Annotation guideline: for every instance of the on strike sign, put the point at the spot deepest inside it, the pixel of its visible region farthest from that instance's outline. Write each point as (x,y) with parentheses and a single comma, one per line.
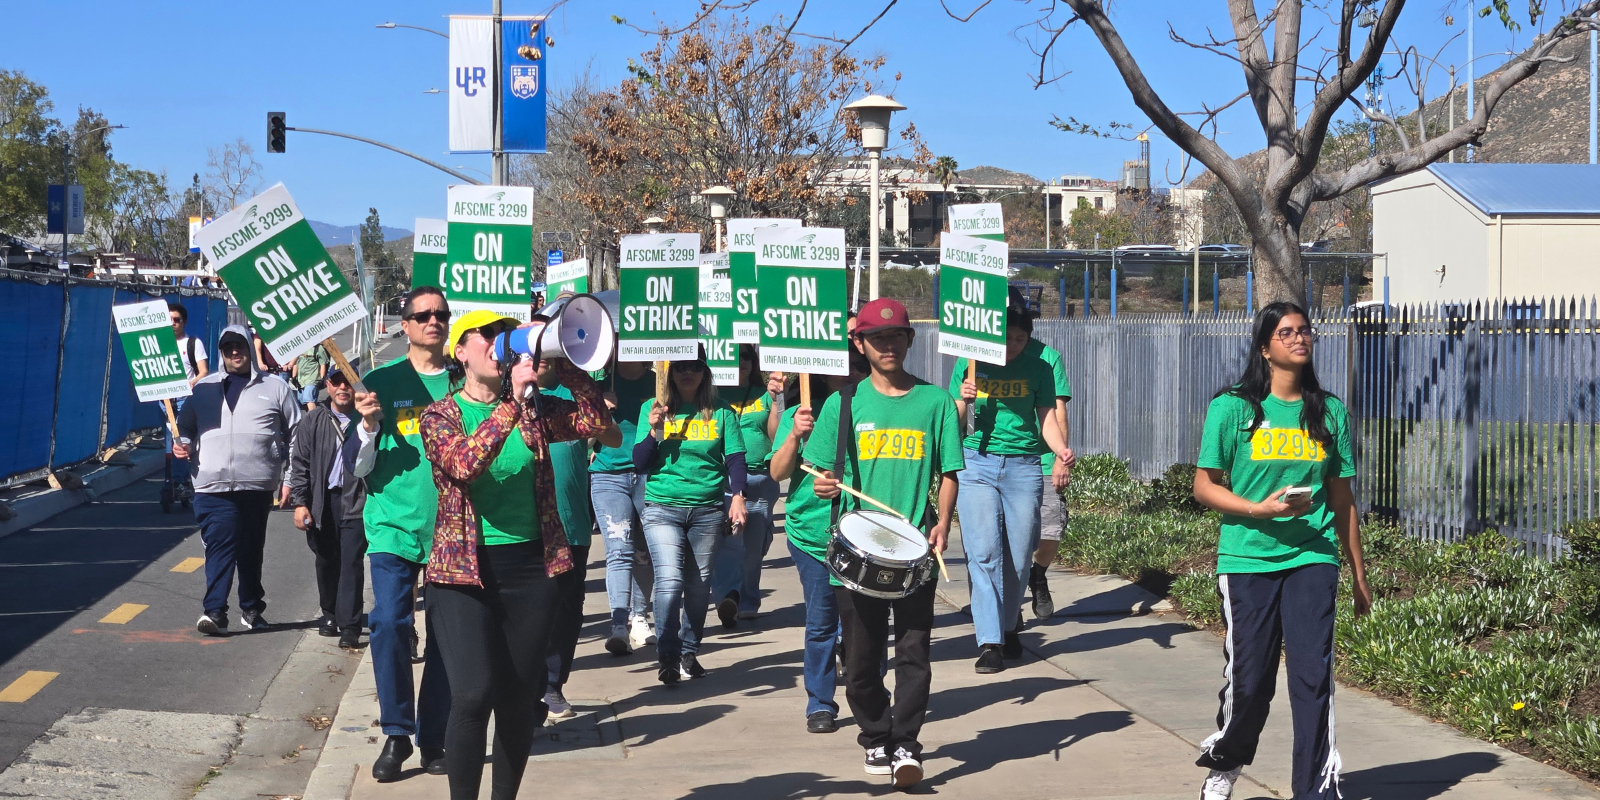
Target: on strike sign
(801,276)
(428,252)
(490,245)
(982,220)
(716,320)
(659,297)
(152,351)
(972,298)
(280,273)
(742,269)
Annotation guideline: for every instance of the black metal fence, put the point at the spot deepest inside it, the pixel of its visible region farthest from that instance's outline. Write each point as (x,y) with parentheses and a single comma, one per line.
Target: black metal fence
(1466,416)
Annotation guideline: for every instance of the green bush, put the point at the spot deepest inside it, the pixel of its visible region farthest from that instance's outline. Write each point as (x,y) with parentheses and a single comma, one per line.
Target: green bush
(1137,546)
(1581,568)
(1505,695)
(1583,540)
(1103,483)
(1174,490)
(1196,593)
(1573,740)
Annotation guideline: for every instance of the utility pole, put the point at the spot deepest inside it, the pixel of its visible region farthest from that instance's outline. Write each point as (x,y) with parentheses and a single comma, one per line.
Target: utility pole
(498,170)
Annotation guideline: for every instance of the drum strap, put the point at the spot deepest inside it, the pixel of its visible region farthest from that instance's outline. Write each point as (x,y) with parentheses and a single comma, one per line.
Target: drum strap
(847,397)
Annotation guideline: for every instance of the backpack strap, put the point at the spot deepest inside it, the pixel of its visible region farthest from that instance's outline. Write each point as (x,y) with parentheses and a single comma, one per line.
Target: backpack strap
(847,397)
(194,366)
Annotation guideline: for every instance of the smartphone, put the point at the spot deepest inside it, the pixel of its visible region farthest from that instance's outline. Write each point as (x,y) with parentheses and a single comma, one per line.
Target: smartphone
(1296,493)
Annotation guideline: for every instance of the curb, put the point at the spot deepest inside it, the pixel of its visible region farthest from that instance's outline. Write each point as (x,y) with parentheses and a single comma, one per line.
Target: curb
(36,508)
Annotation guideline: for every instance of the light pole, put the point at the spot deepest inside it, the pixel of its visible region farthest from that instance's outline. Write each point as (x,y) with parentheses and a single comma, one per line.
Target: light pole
(66,182)
(393,25)
(874,111)
(653,224)
(718,196)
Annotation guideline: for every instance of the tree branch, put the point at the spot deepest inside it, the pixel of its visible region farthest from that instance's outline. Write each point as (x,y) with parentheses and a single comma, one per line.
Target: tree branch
(969,16)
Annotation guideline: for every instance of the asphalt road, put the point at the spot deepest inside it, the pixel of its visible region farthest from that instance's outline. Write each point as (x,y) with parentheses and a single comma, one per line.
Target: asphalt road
(65,582)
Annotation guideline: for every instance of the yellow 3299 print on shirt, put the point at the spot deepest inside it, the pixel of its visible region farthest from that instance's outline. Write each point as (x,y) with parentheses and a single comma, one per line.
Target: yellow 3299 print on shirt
(898,443)
(1284,444)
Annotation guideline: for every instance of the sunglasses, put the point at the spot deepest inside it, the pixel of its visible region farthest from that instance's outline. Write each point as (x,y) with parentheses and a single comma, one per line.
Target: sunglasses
(424,317)
(689,366)
(337,380)
(229,347)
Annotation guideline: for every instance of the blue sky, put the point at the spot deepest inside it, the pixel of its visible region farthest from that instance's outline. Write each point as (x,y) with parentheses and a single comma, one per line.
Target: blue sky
(188,76)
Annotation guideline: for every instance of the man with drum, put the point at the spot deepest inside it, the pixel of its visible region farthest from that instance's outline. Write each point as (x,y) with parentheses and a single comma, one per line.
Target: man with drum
(892,436)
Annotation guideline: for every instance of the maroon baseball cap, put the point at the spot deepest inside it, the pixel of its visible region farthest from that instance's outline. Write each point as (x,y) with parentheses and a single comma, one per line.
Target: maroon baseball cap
(881,313)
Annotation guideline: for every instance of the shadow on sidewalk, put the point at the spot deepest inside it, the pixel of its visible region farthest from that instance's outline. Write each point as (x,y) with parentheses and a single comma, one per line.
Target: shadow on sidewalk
(995,746)
(1161,633)
(1416,780)
(958,702)
(790,786)
(655,727)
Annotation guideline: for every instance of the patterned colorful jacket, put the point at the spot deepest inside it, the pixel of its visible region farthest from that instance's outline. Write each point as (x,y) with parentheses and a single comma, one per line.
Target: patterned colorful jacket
(458,459)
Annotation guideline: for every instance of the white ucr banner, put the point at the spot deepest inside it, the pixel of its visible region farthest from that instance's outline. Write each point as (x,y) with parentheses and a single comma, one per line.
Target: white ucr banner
(472,75)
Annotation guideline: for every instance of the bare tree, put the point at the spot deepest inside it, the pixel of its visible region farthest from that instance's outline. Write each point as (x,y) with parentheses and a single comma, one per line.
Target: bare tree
(232,173)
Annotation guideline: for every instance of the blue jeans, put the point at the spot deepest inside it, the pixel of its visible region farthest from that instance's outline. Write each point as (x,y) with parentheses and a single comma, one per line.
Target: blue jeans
(822,632)
(999,506)
(618,500)
(739,560)
(392,621)
(306,394)
(683,544)
(233,527)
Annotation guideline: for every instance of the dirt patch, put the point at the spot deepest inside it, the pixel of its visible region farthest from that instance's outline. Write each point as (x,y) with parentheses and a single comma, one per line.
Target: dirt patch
(1587,701)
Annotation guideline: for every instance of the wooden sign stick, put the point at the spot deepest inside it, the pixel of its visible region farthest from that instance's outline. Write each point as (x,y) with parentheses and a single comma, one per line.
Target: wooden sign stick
(172,417)
(944,573)
(805,390)
(972,410)
(661,382)
(343,364)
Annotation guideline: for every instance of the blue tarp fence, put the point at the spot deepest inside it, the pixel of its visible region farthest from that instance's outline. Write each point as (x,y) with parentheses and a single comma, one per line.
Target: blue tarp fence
(69,394)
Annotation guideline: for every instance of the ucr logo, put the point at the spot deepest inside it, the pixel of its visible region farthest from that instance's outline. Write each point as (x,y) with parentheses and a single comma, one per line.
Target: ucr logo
(524,82)
(470,79)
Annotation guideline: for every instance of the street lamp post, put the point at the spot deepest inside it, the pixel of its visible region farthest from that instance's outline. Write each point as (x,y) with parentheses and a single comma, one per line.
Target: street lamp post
(66,181)
(718,196)
(874,111)
(653,224)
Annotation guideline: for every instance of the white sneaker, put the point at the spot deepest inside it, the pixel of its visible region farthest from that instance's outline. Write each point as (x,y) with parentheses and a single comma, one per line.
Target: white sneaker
(1219,784)
(907,769)
(560,709)
(641,634)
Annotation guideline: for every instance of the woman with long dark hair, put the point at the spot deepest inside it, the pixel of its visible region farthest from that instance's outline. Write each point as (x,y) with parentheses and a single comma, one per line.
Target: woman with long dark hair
(692,451)
(737,576)
(1275,461)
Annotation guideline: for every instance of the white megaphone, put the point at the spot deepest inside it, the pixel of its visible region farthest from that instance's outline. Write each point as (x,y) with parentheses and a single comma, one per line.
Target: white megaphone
(575,327)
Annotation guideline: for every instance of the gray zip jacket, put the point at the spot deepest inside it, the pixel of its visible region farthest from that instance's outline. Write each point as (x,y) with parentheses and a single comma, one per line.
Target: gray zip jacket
(245,447)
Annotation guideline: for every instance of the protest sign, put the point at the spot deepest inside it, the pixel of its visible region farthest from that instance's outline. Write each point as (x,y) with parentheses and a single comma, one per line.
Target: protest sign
(972,298)
(982,220)
(660,289)
(152,351)
(428,253)
(801,275)
(716,320)
(280,274)
(569,276)
(742,268)
(490,247)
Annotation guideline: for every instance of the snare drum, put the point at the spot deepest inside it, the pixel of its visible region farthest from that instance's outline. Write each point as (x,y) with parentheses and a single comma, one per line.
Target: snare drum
(879,555)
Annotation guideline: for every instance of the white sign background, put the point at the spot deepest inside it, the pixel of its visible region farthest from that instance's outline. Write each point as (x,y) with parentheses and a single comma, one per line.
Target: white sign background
(471,115)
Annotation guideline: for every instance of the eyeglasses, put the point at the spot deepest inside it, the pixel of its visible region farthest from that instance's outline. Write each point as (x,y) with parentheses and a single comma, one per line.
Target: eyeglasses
(689,366)
(228,347)
(423,317)
(337,380)
(1287,335)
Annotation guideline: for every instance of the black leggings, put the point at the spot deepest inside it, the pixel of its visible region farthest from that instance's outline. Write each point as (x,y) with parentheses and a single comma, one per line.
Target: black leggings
(493,641)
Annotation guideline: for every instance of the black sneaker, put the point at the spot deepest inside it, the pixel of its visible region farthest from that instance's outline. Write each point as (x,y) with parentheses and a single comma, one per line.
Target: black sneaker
(350,638)
(821,722)
(255,621)
(1039,584)
(691,666)
(990,660)
(433,760)
(213,624)
(618,644)
(878,761)
(396,749)
(907,769)
(1012,649)
(668,674)
(728,611)
(328,628)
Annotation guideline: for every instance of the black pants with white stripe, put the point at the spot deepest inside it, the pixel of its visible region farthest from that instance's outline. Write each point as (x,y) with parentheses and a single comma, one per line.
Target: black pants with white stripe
(1291,611)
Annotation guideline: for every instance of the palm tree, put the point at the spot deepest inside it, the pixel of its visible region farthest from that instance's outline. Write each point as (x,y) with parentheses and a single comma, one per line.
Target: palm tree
(944,171)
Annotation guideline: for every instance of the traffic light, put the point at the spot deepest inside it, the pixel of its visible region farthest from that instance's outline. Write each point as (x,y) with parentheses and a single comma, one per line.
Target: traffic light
(277,132)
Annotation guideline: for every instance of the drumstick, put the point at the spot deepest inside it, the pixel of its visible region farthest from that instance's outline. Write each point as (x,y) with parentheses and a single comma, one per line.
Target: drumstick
(944,573)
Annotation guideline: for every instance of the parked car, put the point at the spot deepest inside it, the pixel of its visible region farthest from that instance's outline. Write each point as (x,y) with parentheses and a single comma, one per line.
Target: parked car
(1234,249)
(1146,248)
(1318,246)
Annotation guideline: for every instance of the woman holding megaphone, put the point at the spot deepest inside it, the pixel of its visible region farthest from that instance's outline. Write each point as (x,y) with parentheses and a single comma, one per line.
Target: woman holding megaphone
(500,555)
(692,452)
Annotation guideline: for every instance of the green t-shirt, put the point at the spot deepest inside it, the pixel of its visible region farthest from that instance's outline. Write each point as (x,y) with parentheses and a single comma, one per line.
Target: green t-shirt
(1006,412)
(629,395)
(752,422)
(1063,387)
(402,503)
(308,364)
(570,462)
(805,516)
(901,444)
(1277,455)
(503,495)
(691,468)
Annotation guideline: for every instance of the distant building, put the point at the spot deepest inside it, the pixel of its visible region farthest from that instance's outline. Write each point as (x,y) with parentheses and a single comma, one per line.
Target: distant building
(1461,232)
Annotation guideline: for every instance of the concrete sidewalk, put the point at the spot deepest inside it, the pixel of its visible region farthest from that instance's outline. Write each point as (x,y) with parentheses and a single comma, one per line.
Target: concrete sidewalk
(1111,702)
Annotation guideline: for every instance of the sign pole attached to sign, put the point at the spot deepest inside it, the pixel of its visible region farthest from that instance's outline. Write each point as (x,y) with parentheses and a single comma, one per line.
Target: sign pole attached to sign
(742,269)
(801,276)
(428,251)
(972,298)
(982,220)
(490,245)
(154,361)
(716,320)
(659,297)
(570,277)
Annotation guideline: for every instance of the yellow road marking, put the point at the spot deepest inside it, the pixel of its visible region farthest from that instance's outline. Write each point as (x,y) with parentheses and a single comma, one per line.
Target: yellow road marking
(189,564)
(26,686)
(123,613)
